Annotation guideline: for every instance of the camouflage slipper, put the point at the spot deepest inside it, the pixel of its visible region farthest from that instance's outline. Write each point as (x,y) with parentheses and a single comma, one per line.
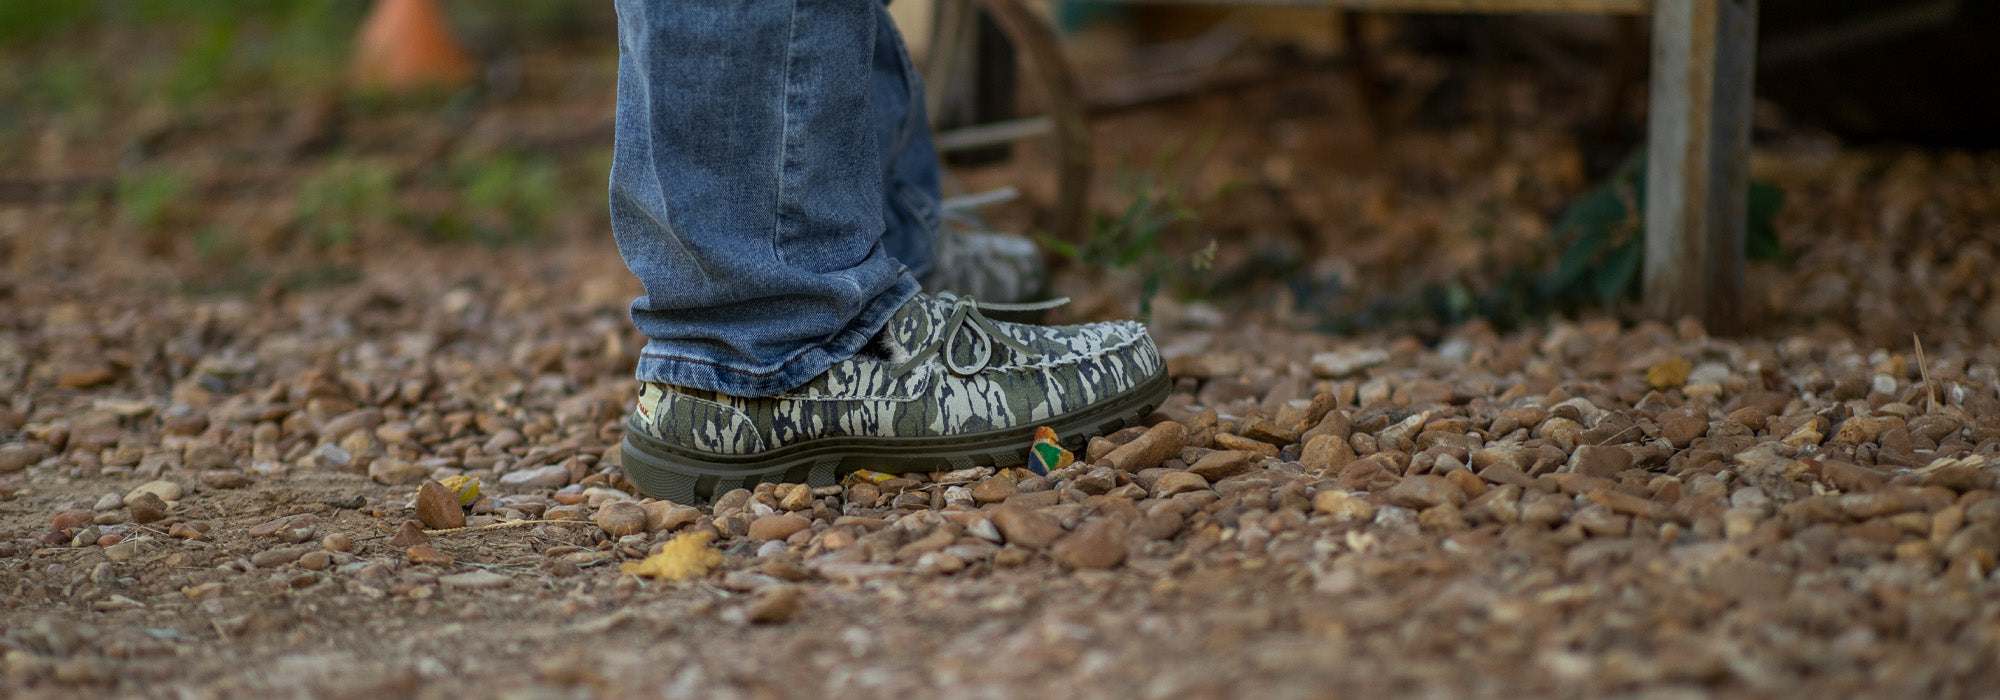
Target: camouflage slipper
(973,260)
(942,387)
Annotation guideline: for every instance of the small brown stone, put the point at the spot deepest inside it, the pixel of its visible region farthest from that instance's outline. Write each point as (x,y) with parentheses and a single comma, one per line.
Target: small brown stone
(776,605)
(1327,454)
(1683,425)
(1343,506)
(1099,544)
(1178,482)
(777,527)
(1599,460)
(17,456)
(1425,491)
(1228,441)
(424,554)
(225,479)
(621,518)
(993,489)
(437,507)
(1222,464)
(86,376)
(271,558)
(1024,527)
(668,515)
(187,531)
(1464,479)
(1445,518)
(1265,431)
(147,507)
(1097,448)
(72,519)
(409,534)
(1158,444)
(395,472)
(1852,478)
(796,498)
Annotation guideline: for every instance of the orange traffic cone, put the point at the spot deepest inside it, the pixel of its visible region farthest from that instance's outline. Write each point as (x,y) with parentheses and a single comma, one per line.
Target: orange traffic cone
(407,45)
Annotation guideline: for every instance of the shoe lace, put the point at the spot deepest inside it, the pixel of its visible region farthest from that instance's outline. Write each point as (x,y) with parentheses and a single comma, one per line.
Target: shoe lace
(967,324)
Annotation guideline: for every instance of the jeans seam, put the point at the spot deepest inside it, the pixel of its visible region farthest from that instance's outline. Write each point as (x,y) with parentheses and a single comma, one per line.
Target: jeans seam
(789,141)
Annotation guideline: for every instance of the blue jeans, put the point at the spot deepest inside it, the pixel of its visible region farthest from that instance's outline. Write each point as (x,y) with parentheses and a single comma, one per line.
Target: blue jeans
(773,185)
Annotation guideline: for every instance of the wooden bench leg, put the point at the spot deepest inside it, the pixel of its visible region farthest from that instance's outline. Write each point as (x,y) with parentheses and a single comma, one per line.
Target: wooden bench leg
(1698,162)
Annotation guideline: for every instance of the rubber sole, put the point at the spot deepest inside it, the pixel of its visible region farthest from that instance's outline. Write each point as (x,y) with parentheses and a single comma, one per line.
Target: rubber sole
(682,475)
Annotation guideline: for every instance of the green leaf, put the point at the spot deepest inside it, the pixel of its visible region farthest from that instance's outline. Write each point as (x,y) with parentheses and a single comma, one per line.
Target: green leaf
(1575,261)
(1761,237)
(1621,269)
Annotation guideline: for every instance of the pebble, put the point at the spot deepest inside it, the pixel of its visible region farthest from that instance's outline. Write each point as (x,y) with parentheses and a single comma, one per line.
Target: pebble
(1343,506)
(1222,464)
(271,558)
(146,507)
(317,560)
(389,471)
(1098,544)
(409,534)
(552,476)
(424,554)
(621,518)
(1178,482)
(1682,426)
(796,498)
(164,489)
(437,507)
(225,479)
(994,489)
(1156,445)
(1344,363)
(278,527)
(17,456)
(1327,454)
(1259,448)
(668,516)
(1599,460)
(474,580)
(123,551)
(774,605)
(109,501)
(1425,491)
(777,527)
(1024,528)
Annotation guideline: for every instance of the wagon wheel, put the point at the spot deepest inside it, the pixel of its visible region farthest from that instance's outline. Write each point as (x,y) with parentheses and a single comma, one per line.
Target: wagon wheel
(1065,122)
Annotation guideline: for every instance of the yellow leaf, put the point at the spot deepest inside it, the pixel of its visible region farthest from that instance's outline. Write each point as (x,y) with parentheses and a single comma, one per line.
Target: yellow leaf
(1669,374)
(684,556)
(466,487)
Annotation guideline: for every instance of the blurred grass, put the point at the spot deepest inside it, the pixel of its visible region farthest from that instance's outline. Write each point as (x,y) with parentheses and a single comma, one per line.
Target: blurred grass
(165,98)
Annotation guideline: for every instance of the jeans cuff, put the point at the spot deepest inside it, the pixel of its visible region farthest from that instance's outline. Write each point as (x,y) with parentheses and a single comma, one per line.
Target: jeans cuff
(660,365)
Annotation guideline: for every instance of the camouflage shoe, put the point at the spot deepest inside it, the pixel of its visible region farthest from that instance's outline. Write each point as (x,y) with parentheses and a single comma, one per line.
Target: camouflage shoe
(972,260)
(941,387)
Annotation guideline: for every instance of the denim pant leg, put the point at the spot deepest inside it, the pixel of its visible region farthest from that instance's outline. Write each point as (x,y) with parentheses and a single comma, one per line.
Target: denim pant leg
(910,195)
(747,189)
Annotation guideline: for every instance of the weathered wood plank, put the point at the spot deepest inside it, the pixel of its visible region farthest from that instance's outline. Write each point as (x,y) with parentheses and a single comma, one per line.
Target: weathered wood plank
(1698,162)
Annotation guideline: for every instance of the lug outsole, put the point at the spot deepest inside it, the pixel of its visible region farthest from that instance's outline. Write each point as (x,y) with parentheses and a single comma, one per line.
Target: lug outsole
(682,475)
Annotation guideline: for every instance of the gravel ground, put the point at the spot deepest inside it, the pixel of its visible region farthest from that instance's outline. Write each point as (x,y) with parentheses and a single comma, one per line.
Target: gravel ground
(223,494)
(216,497)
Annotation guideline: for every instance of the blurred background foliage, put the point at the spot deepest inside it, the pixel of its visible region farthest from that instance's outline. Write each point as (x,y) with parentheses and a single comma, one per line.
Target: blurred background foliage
(229,129)
(225,131)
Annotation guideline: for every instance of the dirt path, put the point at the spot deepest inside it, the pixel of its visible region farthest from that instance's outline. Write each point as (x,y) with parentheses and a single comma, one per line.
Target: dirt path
(1576,510)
